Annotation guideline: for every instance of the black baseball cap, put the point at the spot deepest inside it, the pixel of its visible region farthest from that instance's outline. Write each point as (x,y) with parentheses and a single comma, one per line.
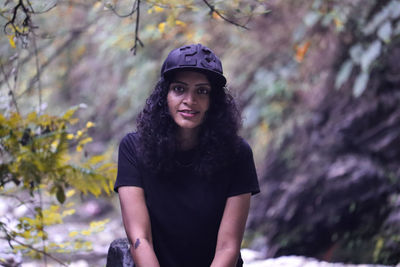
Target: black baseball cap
(196,57)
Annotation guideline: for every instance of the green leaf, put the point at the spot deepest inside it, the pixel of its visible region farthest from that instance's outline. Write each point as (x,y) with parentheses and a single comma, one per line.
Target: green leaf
(69,113)
(360,84)
(60,195)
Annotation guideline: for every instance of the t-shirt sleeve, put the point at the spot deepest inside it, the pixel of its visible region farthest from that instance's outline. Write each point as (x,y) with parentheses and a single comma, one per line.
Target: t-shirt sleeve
(244,176)
(128,171)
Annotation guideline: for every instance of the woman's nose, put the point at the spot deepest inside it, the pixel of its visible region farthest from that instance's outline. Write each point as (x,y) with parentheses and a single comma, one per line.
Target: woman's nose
(190,98)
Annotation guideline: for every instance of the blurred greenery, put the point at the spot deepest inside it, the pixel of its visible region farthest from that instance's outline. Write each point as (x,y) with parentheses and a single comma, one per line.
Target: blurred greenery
(59,54)
(102,59)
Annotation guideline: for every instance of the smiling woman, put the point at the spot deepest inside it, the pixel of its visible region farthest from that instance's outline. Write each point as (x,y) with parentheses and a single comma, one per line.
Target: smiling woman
(185,177)
(188,102)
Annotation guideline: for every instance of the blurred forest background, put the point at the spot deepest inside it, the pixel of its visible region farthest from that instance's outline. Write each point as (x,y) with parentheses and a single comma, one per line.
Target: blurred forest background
(317,81)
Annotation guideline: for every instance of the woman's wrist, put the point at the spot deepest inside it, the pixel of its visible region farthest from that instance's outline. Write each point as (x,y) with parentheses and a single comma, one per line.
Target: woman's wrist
(143,253)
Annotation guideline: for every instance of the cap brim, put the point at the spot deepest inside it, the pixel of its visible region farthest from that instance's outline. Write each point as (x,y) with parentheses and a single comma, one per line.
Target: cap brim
(215,78)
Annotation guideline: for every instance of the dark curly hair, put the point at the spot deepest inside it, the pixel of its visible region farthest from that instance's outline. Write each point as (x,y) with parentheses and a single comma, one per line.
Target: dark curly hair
(218,135)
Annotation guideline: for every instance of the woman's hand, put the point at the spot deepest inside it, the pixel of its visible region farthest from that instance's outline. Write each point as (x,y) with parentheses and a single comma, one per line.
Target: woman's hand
(231,231)
(137,226)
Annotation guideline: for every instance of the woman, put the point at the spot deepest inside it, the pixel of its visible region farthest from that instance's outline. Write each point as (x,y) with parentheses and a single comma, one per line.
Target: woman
(185,177)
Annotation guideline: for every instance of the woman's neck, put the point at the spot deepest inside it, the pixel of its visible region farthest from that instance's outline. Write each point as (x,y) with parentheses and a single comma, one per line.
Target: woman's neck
(187,138)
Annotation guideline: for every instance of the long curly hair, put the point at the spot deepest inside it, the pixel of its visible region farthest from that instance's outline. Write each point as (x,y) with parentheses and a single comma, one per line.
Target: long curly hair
(218,135)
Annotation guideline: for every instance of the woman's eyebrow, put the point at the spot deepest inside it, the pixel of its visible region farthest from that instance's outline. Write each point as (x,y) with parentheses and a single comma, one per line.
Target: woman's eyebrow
(179,82)
(203,84)
(198,84)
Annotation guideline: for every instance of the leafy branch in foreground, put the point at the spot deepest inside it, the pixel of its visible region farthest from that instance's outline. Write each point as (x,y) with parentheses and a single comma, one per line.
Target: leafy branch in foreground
(36,162)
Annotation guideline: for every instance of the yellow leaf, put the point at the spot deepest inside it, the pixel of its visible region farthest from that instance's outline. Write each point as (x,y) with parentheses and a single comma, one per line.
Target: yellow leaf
(97,5)
(161,27)
(15,119)
(180,23)
(96,159)
(189,36)
(215,15)
(85,232)
(54,145)
(54,208)
(158,9)
(68,212)
(301,51)
(79,133)
(72,121)
(19,29)
(98,224)
(2,119)
(171,20)
(70,136)
(50,218)
(11,40)
(40,234)
(31,117)
(73,233)
(70,204)
(88,245)
(78,246)
(79,148)
(85,141)
(70,193)
(338,23)
(68,114)
(26,234)
(106,166)
(90,124)
(65,158)
(150,11)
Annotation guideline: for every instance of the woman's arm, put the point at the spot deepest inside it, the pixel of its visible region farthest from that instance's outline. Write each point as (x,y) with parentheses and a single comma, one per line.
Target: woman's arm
(137,226)
(231,231)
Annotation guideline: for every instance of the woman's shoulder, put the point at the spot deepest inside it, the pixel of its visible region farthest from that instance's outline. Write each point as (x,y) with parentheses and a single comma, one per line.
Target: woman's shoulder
(243,151)
(132,136)
(130,140)
(243,145)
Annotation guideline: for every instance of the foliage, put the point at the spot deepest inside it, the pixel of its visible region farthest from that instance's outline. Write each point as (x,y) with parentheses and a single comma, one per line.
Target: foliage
(36,157)
(80,48)
(377,35)
(71,38)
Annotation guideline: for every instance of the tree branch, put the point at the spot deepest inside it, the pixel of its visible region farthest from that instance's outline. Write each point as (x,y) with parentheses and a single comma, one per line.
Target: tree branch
(137,40)
(212,9)
(134,8)
(26,22)
(44,11)
(40,251)
(10,238)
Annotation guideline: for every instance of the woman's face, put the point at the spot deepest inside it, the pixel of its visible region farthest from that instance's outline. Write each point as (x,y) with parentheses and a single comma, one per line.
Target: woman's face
(189,99)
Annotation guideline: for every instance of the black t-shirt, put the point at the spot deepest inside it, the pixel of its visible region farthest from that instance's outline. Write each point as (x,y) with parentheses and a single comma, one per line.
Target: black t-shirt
(185,209)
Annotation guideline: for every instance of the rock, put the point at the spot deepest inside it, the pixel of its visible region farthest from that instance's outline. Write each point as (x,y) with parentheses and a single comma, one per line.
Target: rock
(299,261)
(119,255)
(330,187)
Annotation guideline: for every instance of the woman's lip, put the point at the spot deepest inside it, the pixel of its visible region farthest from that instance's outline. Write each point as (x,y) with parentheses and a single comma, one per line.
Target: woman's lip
(187,115)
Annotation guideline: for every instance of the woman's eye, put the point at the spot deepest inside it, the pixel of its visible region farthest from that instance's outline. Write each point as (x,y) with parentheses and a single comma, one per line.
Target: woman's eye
(178,89)
(203,91)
